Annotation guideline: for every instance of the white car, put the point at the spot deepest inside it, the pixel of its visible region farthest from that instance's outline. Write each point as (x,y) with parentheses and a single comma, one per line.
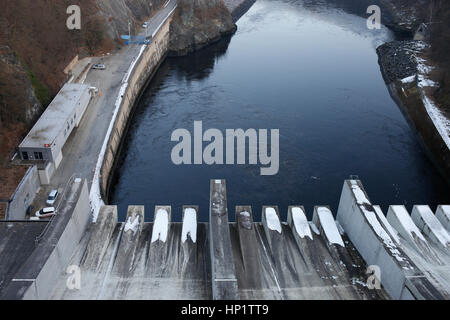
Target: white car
(52,197)
(145,25)
(99,66)
(45,212)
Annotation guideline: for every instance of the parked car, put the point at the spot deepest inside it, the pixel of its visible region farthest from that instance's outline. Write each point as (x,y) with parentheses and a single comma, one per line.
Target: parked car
(52,197)
(45,212)
(145,25)
(99,66)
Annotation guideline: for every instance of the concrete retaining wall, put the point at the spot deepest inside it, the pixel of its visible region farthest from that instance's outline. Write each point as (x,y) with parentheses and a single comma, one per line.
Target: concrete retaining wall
(144,69)
(45,281)
(409,99)
(24,195)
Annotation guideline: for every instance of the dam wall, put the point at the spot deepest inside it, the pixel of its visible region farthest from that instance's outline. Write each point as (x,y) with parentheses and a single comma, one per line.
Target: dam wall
(140,73)
(363,255)
(144,69)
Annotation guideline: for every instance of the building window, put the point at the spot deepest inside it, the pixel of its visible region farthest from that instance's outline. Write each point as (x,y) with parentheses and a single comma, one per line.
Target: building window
(25,155)
(38,156)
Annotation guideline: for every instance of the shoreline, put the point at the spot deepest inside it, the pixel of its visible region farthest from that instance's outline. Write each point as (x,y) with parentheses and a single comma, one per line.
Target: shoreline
(403,76)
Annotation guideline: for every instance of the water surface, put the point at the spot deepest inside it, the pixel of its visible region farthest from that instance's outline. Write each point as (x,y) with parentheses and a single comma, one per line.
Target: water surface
(306,68)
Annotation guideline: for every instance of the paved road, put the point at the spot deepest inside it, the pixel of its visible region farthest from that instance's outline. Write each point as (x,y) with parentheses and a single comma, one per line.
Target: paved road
(82,149)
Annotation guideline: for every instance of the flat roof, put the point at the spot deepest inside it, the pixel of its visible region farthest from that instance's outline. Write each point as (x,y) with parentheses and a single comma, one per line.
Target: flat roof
(53,120)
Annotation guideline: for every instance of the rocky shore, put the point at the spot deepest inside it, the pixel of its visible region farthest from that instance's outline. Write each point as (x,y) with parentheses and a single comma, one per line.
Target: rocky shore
(197,23)
(397,60)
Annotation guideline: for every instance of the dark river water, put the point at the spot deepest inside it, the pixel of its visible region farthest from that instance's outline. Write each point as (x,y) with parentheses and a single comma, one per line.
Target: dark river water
(306,68)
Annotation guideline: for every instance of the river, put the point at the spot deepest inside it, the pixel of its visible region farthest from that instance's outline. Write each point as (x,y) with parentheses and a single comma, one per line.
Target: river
(307,68)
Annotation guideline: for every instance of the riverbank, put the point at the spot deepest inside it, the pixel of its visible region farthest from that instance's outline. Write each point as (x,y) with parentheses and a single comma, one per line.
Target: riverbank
(406,72)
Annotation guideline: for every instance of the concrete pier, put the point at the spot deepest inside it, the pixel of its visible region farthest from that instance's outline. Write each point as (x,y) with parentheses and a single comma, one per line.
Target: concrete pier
(224,282)
(400,275)
(443,215)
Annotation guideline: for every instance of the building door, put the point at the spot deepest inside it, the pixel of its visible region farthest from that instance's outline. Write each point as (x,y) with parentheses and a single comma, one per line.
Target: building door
(38,156)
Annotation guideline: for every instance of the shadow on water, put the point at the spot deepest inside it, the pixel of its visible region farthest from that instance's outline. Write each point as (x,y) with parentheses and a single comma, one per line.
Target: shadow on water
(200,64)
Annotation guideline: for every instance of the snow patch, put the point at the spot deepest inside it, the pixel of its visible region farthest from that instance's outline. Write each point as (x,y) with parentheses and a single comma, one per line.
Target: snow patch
(132,225)
(371,216)
(189,225)
(160,226)
(301,223)
(392,232)
(329,226)
(273,223)
(359,193)
(409,79)
(441,122)
(245,214)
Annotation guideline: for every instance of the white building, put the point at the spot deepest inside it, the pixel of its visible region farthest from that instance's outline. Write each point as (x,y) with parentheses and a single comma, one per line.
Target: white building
(46,139)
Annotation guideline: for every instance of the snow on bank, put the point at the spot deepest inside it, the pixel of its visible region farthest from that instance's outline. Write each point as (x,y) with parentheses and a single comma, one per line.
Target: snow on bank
(441,122)
(439,119)
(189,225)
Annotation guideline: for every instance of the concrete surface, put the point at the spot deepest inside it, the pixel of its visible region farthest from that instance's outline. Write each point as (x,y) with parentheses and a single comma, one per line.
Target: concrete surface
(400,275)
(17,244)
(54,247)
(222,260)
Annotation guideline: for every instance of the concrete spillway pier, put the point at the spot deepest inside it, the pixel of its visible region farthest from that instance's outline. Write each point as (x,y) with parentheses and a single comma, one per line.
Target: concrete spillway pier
(361,255)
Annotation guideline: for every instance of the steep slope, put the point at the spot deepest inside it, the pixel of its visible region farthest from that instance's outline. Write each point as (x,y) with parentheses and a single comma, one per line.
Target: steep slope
(197,23)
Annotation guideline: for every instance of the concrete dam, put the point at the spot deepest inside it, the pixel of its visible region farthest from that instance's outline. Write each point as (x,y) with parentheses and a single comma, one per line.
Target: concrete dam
(360,255)
(84,252)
